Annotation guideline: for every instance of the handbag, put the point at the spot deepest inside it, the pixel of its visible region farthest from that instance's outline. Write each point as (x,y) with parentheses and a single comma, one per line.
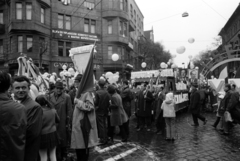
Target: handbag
(228,117)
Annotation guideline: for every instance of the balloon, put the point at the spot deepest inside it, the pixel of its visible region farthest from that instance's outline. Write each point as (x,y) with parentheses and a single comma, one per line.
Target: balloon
(68,74)
(108,74)
(166,66)
(190,57)
(61,74)
(191,65)
(174,55)
(196,68)
(71,71)
(181,50)
(168,63)
(115,57)
(173,66)
(143,65)
(64,67)
(185,14)
(191,40)
(162,65)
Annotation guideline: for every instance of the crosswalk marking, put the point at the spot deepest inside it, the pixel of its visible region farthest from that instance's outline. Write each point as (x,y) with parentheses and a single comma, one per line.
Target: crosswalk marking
(108,148)
(122,155)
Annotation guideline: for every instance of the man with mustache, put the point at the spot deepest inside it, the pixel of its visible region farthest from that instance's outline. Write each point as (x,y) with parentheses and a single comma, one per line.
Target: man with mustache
(21,87)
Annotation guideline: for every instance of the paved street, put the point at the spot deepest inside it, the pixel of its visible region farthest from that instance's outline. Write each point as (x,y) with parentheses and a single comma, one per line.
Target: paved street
(202,143)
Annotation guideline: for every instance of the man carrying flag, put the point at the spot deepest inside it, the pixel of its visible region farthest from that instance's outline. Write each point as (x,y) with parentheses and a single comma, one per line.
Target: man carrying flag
(84,127)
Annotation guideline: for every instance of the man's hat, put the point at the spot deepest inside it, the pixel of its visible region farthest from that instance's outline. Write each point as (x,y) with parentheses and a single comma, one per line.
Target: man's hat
(101,82)
(59,85)
(194,84)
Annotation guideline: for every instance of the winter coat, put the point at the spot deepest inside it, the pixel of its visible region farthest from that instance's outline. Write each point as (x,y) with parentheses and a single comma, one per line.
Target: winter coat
(145,104)
(34,128)
(234,107)
(159,100)
(77,141)
(126,100)
(63,105)
(13,125)
(118,115)
(195,102)
(168,106)
(102,102)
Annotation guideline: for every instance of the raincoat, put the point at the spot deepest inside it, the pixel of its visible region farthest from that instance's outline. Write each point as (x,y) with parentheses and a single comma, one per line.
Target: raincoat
(145,104)
(168,106)
(13,125)
(85,103)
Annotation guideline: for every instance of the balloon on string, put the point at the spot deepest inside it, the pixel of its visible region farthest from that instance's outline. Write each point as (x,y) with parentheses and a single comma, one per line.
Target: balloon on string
(71,71)
(196,68)
(181,50)
(115,57)
(61,74)
(108,74)
(143,65)
(162,65)
(191,40)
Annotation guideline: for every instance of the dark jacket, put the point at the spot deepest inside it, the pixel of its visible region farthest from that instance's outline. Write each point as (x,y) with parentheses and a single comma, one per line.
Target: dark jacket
(102,102)
(145,104)
(159,100)
(195,102)
(126,100)
(34,127)
(13,125)
(234,107)
(225,101)
(63,105)
(72,94)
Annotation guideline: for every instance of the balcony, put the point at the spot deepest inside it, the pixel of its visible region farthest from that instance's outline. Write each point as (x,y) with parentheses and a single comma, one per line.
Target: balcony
(115,13)
(131,26)
(116,38)
(45,3)
(2,29)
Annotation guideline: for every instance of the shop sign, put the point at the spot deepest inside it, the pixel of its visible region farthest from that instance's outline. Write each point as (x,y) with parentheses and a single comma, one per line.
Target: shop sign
(58,64)
(74,35)
(14,61)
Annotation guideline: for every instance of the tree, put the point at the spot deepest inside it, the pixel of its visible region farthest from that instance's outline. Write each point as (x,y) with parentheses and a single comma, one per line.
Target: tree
(153,53)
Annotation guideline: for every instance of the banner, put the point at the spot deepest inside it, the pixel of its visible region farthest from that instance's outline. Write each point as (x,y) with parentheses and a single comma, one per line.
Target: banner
(217,84)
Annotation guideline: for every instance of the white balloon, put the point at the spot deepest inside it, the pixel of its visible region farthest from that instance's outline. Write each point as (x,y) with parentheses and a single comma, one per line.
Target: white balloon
(166,66)
(108,74)
(173,66)
(174,55)
(190,57)
(64,67)
(181,50)
(71,70)
(143,65)
(191,40)
(197,68)
(61,74)
(191,65)
(115,57)
(162,65)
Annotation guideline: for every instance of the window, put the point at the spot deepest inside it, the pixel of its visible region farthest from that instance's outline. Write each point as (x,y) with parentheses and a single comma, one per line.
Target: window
(121,5)
(110,4)
(60,48)
(120,28)
(131,10)
(68,47)
(93,26)
(42,15)
(60,21)
(124,29)
(119,51)
(68,22)
(28,11)
(135,16)
(123,53)
(1,46)
(109,26)
(19,11)
(20,43)
(1,17)
(10,45)
(86,25)
(29,43)
(89,5)
(110,52)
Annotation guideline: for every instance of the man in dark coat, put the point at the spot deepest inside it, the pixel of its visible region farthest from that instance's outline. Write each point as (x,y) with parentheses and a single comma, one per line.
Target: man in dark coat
(63,104)
(127,98)
(13,124)
(102,108)
(229,102)
(195,105)
(21,87)
(160,121)
(144,112)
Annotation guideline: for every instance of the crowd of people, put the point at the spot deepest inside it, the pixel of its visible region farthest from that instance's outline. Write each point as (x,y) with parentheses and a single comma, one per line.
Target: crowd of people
(45,128)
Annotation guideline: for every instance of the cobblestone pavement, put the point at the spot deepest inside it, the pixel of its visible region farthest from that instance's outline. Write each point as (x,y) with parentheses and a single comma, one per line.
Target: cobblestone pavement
(192,143)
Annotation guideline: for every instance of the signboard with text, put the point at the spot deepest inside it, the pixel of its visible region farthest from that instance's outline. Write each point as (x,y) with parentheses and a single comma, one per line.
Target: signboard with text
(74,35)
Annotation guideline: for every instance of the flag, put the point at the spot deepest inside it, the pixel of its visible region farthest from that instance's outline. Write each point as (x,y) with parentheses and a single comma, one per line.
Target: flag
(223,74)
(87,82)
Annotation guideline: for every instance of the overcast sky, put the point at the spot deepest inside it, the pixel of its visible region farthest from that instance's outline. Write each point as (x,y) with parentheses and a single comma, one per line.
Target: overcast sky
(206,19)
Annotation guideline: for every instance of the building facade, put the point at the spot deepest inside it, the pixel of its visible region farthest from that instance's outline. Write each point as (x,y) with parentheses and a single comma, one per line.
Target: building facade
(45,30)
(230,34)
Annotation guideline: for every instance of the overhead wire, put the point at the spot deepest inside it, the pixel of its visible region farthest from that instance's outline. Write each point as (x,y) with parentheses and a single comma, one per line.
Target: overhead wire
(213,9)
